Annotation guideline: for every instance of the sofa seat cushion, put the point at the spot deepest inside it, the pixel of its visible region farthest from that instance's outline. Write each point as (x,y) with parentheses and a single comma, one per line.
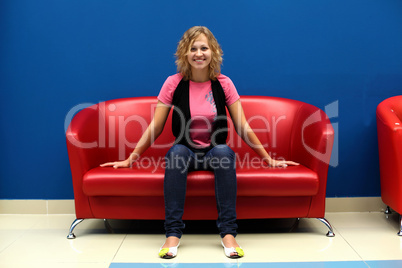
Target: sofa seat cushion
(148,181)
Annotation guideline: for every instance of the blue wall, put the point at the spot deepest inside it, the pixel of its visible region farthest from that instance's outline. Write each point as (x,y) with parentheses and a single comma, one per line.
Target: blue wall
(55,55)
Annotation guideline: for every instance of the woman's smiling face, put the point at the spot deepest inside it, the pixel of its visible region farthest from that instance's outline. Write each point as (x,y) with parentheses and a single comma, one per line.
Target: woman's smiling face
(199,55)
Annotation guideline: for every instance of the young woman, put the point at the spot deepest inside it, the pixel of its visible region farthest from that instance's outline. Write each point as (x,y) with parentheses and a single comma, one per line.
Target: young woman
(199,94)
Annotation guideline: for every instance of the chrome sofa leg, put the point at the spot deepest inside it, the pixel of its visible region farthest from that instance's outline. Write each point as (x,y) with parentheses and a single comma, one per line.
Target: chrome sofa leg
(71,235)
(388,210)
(108,226)
(295,225)
(331,231)
(400,226)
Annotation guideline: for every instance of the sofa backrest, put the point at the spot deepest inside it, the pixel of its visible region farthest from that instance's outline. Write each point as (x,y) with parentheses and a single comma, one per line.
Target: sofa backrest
(272,121)
(125,120)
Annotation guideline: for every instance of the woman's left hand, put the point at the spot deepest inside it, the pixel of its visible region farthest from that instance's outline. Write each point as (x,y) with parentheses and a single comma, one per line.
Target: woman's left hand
(282,163)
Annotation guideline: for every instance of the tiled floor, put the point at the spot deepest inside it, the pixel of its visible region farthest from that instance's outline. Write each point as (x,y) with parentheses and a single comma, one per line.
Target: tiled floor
(362,240)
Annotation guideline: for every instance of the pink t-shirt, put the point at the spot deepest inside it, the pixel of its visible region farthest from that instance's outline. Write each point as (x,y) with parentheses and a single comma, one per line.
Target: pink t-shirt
(202,105)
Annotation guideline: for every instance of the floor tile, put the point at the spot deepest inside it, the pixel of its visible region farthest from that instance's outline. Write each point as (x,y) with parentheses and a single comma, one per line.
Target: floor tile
(362,240)
(193,249)
(371,235)
(12,227)
(55,265)
(52,246)
(307,242)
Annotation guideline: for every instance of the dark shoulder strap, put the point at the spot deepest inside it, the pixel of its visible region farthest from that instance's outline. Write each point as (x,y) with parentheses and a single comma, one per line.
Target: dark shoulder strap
(221,133)
(180,90)
(181,110)
(219,97)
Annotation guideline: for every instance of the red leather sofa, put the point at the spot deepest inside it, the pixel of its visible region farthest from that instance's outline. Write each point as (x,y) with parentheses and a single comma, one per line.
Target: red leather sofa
(389,130)
(289,129)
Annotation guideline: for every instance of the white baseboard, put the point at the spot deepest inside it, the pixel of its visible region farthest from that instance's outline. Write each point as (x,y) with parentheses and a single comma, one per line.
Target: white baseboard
(355,204)
(24,206)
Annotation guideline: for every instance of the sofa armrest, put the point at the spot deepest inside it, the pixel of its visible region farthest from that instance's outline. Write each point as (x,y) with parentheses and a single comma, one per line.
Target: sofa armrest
(312,138)
(389,133)
(85,152)
(311,145)
(387,117)
(86,137)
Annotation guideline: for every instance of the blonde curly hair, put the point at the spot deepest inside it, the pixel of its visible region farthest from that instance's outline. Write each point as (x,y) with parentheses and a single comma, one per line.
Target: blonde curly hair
(183,48)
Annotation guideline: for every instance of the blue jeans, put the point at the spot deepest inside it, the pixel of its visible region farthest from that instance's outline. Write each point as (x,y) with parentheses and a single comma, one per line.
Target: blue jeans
(179,161)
